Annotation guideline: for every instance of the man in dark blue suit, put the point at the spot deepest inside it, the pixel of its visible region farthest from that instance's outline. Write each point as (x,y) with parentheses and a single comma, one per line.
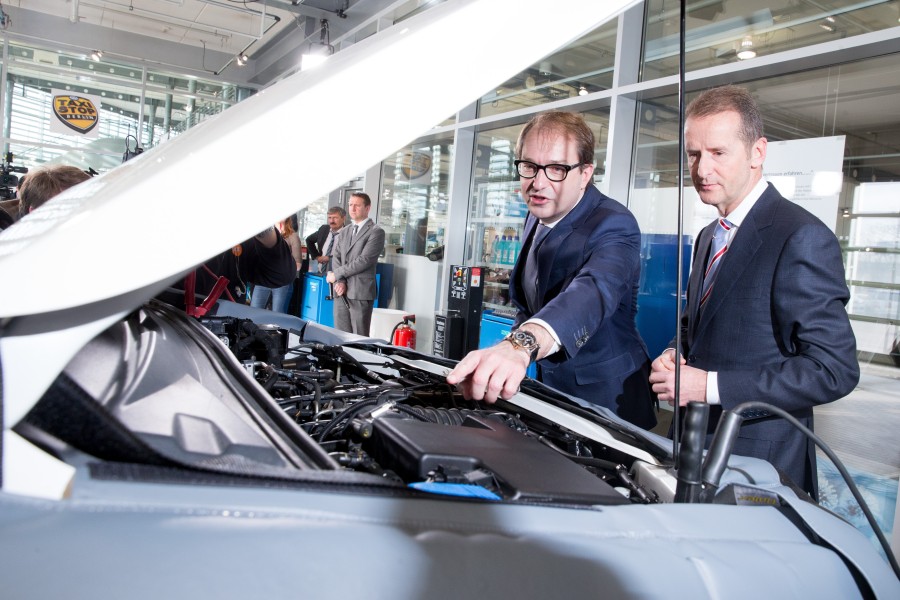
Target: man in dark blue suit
(770,324)
(574,284)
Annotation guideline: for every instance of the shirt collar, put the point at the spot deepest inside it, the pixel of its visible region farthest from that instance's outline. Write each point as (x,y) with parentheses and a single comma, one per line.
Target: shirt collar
(740,213)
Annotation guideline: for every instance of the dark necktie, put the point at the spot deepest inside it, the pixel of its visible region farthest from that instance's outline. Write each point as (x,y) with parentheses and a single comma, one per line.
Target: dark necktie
(355,231)
(717,253)
(530,272)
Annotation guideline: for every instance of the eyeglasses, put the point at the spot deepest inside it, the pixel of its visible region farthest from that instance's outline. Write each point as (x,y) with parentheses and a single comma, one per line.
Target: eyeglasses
(529,170)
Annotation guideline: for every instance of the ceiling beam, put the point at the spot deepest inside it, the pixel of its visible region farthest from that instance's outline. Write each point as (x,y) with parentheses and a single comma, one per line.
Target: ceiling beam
(56,33)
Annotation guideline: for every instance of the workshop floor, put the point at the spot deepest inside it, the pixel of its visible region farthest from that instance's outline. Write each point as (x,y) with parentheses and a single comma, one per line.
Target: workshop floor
(862,429)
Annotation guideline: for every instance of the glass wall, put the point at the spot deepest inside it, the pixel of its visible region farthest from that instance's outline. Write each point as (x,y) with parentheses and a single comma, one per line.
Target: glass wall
(414,196)
(311,217)
(151,106)
(579,69)
(720,32)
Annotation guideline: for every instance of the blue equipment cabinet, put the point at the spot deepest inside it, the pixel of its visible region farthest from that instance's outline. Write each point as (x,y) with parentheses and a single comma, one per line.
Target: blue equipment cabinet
(657,302)
(315,307)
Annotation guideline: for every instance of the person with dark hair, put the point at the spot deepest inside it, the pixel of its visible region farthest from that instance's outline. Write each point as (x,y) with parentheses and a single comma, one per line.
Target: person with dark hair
(574,285)
(286,228)
(765,317)
(354,263)
(43,183)
(320,244)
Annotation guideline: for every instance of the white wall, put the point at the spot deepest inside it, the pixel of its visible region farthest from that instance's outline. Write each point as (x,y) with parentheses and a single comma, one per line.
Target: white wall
(416,285)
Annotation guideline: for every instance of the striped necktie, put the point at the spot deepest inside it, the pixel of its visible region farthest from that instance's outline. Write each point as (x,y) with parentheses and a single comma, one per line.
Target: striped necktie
(324,266)
(719,248)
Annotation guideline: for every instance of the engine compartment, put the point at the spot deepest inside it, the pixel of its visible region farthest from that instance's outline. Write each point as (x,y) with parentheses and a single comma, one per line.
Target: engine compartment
(374,411)
(225,396)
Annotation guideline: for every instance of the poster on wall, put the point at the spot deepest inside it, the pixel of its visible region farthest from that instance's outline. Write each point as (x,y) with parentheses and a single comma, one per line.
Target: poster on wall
(808,172)
(75,114)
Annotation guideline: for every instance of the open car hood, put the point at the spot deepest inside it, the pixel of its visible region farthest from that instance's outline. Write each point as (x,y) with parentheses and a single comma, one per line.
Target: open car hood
(101,249)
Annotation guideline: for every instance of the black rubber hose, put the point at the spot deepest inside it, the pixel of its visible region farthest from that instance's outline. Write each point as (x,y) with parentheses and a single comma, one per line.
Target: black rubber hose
(690,469)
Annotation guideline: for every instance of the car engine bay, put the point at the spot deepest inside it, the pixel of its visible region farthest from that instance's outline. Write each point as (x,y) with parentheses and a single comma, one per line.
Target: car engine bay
(381,414)
(165,390)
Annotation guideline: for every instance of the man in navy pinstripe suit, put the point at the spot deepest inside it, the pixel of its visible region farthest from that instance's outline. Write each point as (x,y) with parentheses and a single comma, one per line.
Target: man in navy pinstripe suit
(773,327)
(574,285)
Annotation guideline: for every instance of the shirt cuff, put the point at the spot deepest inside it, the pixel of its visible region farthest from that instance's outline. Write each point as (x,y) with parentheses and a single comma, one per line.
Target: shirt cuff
(556,345)
(712,388)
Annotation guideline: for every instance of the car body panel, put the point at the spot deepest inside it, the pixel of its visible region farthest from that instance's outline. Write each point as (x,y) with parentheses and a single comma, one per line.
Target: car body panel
(231,543)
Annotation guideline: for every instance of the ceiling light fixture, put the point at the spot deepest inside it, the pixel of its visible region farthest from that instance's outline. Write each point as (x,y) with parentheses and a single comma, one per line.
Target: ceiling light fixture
(582,91)
(827,27)
(241,59)
(746,52)
(96,55)
(317,53)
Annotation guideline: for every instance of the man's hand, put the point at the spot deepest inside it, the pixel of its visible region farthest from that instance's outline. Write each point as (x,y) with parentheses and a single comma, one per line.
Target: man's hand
(498,371)
(662,380)
(322,259)
(330,278)
(491,373)
(340,288)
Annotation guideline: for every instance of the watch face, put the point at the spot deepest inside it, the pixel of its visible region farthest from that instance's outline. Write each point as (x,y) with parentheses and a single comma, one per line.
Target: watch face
(526,341)
(524,338)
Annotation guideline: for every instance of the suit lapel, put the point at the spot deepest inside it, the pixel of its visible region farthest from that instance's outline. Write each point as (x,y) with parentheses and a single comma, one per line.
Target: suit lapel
(746,243)
(557,237)
(361,234)
(695,282)
(550,246)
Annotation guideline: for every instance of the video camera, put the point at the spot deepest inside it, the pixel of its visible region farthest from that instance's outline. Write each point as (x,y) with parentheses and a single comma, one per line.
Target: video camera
(8,181)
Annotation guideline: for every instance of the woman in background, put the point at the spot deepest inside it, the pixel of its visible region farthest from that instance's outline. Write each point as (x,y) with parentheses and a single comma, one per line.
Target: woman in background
(290,236)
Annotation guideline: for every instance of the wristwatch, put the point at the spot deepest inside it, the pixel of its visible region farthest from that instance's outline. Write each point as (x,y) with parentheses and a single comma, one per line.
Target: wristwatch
(524,340)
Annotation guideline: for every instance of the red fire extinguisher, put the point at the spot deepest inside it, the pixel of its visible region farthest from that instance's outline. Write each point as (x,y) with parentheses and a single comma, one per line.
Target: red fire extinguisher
(403,334)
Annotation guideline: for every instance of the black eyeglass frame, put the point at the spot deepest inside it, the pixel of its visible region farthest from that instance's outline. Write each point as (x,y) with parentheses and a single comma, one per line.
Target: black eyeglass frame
(544,168)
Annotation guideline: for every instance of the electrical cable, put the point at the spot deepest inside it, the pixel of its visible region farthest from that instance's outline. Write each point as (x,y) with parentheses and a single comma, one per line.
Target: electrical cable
(834,459)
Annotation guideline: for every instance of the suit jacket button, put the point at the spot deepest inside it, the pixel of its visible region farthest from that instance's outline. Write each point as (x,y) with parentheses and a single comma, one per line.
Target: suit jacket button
(692,358)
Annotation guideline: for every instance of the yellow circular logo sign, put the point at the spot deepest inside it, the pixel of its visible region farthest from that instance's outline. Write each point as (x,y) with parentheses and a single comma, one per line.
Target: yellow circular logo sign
(76,112)
(415,164)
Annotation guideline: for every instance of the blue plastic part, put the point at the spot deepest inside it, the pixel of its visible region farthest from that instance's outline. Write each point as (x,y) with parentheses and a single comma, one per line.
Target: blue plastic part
(464,490)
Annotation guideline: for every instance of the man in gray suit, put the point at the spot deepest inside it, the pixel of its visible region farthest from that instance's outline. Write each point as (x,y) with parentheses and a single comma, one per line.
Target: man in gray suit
(765,318)
(353,267)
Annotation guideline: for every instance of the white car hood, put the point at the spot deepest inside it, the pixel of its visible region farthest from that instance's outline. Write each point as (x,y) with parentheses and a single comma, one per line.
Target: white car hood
(97,251)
